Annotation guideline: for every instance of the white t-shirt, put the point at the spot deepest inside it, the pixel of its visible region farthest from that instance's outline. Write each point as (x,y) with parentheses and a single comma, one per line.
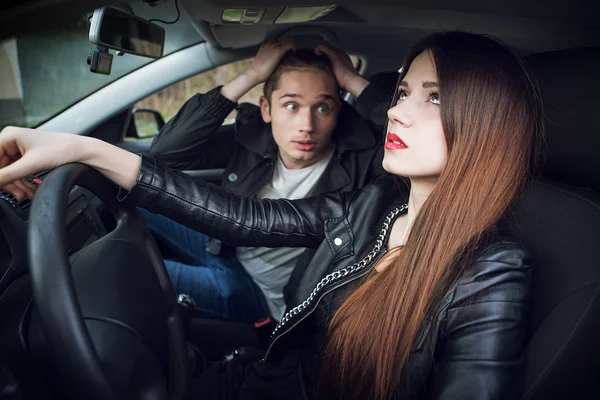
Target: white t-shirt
(270,268)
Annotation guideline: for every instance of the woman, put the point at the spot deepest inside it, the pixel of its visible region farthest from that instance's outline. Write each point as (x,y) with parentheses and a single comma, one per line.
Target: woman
(412,293)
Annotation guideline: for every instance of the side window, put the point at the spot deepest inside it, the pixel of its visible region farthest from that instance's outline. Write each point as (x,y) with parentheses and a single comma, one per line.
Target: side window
(170,99)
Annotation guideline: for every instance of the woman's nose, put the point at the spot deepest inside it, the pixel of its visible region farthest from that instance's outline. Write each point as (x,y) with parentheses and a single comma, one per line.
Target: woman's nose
(398,115)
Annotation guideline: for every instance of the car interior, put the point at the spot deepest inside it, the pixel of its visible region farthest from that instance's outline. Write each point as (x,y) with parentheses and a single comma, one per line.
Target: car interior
(87,310)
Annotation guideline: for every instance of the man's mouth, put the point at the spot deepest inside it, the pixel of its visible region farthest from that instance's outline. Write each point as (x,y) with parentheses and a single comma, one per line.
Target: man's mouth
(393,142)
(305,145)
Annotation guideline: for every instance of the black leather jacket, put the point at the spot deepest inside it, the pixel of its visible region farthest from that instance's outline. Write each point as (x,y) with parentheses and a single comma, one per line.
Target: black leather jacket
(469,348)
(197,139)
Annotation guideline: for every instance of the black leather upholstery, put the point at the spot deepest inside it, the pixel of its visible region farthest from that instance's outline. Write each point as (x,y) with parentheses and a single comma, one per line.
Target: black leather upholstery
(559,222)
(571,85)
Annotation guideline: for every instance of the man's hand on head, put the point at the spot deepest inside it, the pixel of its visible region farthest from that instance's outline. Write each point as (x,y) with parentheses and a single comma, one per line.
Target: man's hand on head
(268,57)
(343,69)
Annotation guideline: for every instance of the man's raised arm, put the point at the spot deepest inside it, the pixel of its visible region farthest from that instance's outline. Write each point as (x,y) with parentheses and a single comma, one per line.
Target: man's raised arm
(196,138)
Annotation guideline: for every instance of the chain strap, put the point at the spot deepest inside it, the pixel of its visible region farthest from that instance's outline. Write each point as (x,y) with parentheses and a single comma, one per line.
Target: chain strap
(340,274)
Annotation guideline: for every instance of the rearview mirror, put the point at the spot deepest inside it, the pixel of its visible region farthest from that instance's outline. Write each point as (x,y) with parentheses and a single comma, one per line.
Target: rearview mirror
(120,30)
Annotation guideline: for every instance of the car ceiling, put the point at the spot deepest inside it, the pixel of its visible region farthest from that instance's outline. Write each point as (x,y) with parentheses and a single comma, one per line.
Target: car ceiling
(375,28)
(531,26)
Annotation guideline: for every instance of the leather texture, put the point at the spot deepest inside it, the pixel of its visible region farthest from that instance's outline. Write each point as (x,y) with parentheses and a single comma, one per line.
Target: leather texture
(469,348)
(196,139)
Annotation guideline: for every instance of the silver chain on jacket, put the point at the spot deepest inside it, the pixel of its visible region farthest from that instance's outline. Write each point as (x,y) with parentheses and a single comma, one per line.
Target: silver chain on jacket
(342,273)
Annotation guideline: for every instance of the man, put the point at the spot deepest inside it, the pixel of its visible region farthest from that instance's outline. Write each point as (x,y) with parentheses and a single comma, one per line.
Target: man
(302,140)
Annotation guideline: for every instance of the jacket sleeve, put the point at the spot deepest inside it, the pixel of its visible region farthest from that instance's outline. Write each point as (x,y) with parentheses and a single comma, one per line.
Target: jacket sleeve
(196,138)
(481,353)
(230,217)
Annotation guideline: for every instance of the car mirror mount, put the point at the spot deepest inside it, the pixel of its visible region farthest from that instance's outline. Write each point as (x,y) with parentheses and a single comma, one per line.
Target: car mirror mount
(124,32)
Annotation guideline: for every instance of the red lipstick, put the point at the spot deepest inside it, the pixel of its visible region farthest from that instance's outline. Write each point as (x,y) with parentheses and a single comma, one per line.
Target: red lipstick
(393,142)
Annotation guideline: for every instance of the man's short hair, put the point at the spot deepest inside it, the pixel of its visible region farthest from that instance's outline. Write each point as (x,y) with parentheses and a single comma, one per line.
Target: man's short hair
(301,59)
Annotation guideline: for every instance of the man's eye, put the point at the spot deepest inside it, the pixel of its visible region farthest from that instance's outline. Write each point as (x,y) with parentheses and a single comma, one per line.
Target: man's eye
(291,107)
(434,98)
(323,109)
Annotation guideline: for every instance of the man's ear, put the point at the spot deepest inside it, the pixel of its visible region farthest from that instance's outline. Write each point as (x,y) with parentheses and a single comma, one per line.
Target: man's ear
(265,109)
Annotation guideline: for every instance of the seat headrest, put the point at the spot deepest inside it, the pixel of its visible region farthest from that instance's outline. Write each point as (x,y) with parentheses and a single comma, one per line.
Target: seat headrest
(383,86)
(560,226)
(570,83)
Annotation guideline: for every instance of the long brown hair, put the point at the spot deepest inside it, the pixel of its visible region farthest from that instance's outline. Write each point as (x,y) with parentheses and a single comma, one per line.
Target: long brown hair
(491,115)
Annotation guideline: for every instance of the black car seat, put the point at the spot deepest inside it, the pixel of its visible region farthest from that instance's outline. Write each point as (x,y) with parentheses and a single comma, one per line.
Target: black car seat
(384,84)
(558,219)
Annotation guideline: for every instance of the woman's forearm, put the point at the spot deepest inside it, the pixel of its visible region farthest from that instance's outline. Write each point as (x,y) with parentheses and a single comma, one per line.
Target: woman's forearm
(25,151)
(118,165)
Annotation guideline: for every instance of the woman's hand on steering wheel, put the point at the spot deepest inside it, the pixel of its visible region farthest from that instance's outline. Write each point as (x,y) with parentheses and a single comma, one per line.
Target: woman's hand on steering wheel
(26,151)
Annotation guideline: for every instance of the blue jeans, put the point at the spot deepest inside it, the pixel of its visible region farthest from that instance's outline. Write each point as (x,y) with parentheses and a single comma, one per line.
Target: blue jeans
(220,285)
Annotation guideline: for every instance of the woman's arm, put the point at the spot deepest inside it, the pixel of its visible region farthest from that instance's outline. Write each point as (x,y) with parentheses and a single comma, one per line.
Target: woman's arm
(486,329)
(26,151)
(204,207)
(230,217)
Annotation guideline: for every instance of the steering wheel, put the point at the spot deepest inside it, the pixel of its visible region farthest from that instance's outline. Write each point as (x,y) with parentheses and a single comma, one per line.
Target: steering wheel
(105,320)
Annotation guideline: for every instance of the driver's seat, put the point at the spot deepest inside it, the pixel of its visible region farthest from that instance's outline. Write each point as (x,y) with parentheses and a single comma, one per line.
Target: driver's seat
(559,222)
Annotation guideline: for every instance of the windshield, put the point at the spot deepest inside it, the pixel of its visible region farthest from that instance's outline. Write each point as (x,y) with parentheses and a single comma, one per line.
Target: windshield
(42,74)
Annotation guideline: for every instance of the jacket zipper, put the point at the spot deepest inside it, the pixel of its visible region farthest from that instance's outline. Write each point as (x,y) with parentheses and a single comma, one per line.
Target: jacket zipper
(329,290)
(342,276)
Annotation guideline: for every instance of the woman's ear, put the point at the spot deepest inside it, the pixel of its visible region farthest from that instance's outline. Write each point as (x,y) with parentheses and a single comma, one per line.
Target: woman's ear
(265,109)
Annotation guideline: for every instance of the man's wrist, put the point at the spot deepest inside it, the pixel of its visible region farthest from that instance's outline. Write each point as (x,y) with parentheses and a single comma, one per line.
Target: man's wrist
(251,76)
(356,85)
(239,86)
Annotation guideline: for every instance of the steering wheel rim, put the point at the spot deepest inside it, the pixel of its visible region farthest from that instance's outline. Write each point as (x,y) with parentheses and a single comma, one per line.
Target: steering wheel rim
(55,293)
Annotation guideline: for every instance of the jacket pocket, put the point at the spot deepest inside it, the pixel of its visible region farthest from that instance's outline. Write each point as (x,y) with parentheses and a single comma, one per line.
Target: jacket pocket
(340,238)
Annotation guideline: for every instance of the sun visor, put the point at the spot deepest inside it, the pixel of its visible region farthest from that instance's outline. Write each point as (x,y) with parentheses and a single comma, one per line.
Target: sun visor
(303,14)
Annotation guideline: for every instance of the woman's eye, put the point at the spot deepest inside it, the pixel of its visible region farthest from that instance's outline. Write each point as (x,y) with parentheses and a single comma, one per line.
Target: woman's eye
(402,95)
(434,98)
(291,107)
